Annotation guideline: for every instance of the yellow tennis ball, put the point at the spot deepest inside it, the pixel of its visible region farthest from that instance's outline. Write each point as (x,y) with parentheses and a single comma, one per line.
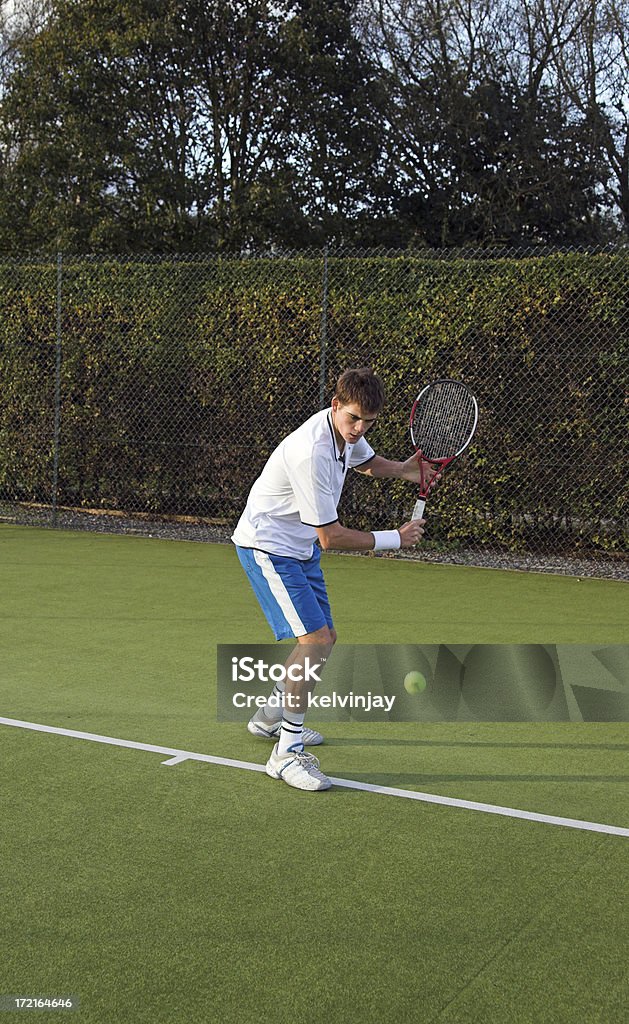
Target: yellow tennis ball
(414,682)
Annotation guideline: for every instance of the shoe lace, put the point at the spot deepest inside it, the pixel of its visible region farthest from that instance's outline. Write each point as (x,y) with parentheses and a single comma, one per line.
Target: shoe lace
(306,759)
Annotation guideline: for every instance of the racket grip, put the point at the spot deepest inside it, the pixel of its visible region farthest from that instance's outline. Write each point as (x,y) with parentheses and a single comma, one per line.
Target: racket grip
(418,511)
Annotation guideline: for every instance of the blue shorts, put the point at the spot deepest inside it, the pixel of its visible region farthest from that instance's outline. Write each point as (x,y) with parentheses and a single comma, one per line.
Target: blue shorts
(291,593)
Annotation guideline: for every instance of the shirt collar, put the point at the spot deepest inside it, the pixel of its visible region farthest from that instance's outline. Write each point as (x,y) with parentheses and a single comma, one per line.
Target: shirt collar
(339,456)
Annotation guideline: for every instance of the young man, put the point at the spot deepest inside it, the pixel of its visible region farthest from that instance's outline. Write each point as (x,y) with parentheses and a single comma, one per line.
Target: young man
(292,505)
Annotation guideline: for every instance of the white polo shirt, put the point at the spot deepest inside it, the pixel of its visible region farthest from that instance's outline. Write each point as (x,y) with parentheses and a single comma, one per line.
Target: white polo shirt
(298,489)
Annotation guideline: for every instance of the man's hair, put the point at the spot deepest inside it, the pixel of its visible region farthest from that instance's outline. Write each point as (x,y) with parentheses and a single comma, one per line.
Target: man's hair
(362,387)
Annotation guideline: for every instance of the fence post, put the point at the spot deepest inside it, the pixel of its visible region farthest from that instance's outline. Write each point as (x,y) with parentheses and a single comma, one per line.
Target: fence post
(324,329)
(57,429)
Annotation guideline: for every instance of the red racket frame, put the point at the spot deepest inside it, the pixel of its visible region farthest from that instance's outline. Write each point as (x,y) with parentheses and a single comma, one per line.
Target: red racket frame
(441,464)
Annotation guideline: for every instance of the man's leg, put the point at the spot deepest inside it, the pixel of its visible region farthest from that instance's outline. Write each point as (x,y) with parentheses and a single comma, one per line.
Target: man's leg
(289,761)
(311,649)
(267,721)
(294,599)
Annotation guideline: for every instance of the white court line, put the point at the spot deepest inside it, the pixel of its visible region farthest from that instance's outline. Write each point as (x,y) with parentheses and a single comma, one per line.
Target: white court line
(178,756)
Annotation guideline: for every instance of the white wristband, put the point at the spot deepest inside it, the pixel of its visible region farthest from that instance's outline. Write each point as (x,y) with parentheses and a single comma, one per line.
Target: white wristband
(386,540)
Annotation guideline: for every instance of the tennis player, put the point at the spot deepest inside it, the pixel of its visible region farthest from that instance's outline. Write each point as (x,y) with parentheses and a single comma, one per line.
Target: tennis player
(291,514)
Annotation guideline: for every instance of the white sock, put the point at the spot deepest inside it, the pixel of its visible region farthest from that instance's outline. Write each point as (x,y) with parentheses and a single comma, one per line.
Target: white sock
(272,710)
(292,731)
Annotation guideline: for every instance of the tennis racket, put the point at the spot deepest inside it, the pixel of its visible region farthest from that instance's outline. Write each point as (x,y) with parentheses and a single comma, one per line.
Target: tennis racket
(443,421)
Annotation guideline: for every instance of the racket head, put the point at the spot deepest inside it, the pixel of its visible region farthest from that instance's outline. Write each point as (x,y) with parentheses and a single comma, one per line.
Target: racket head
(443,420)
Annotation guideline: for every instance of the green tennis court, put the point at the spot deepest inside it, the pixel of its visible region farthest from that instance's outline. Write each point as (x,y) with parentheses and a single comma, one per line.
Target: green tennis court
(154,892)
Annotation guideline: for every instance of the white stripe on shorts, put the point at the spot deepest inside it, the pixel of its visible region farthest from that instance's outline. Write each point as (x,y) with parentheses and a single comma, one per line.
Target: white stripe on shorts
(280,593)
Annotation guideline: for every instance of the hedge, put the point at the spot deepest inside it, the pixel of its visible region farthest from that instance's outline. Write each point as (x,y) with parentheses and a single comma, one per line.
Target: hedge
(179,376)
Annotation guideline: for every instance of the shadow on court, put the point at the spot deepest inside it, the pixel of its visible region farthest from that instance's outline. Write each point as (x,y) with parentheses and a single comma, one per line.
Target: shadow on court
(472,744)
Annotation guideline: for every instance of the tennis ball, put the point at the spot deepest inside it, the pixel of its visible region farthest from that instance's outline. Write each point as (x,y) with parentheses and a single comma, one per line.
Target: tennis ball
(414,682)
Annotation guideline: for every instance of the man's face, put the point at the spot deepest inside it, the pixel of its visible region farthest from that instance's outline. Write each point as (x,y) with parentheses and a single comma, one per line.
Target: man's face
(350,421)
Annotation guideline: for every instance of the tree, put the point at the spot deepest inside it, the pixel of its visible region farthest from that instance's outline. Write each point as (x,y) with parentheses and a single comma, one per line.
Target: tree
(186,124)
(72,153)
(482,146)
(179,125)
(337,143)
(592,69)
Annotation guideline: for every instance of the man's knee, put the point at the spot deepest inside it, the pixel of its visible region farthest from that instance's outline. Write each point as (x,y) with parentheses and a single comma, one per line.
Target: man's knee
(324,637)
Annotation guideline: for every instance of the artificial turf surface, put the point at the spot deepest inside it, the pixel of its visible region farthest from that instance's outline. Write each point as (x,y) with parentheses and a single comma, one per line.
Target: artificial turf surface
(197,893)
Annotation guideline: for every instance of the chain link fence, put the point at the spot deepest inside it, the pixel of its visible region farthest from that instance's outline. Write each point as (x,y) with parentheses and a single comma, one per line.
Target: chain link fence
(145,394)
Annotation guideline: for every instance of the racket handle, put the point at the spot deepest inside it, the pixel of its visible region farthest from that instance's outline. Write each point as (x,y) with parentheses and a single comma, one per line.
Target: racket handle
(418,511)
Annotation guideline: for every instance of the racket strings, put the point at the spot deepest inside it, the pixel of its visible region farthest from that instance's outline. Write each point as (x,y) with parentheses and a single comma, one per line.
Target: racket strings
(444,420)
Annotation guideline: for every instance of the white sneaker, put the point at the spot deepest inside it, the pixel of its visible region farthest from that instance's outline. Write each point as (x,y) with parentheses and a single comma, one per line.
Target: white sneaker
(298,769)
(271,731)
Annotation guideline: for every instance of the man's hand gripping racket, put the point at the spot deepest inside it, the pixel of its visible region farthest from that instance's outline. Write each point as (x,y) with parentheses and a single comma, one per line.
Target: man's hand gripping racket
(443,421)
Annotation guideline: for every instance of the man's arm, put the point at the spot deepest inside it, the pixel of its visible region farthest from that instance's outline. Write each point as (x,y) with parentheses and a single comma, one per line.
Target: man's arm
(409,470)
(340,538)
